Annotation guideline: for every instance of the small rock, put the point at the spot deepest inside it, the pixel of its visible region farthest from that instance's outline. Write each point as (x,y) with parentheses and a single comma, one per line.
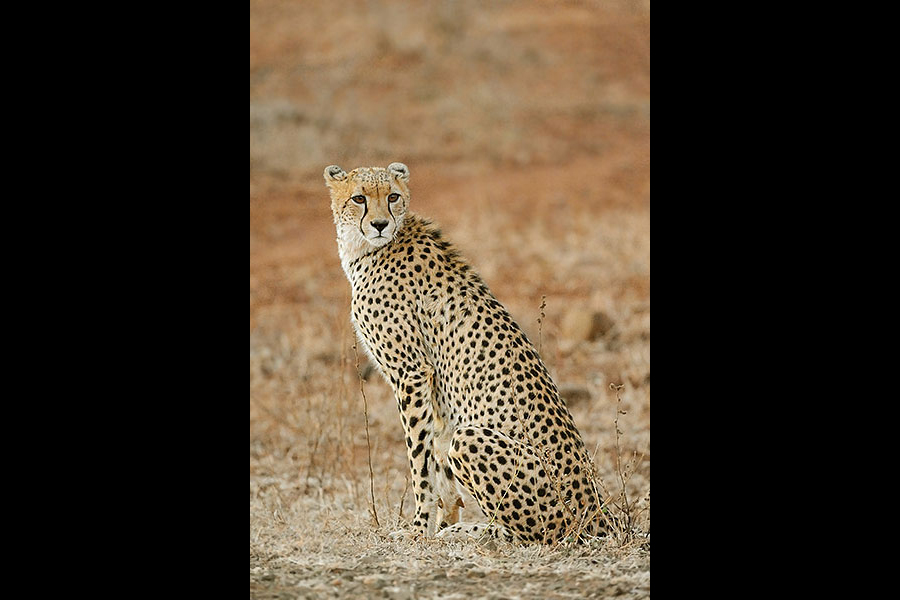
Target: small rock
(586,325)
(366,371)
(574,394)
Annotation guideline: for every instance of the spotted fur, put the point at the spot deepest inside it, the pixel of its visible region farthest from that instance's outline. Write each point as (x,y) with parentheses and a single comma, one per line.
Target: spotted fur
(478,407)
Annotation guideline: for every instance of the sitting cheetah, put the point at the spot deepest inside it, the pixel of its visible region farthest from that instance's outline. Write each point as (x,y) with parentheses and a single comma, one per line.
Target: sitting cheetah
(476,402)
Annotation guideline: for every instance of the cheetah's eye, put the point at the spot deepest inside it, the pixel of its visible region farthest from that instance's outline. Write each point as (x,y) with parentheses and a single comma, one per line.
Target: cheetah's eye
(393,197)
(359,199)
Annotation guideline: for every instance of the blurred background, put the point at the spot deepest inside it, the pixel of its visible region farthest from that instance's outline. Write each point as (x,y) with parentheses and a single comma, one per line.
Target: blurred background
(526,128)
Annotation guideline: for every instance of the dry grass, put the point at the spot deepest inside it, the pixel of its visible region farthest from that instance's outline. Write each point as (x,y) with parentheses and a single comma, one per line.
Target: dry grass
(526,128)
(318,550)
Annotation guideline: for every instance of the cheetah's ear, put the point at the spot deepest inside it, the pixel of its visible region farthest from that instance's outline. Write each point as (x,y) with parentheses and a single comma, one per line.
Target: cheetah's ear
(400,171)
(334,173)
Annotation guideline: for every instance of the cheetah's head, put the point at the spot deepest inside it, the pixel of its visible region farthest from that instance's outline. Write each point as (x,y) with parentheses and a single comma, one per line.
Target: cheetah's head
(368,203)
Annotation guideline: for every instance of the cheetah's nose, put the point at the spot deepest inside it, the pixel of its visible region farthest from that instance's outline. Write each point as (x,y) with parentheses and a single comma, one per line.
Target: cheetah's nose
(380,225)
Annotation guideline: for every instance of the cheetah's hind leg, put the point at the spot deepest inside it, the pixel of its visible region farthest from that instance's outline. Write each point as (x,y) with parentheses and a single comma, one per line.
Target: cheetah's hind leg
(508,481)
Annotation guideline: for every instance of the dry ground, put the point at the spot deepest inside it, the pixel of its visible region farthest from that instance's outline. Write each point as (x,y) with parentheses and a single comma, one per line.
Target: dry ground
(526,129)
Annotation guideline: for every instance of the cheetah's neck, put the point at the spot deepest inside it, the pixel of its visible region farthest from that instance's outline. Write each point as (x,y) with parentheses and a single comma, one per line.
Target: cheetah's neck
(350,248)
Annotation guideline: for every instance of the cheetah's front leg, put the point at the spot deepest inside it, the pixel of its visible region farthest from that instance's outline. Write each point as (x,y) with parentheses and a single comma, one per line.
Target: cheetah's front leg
(414,398)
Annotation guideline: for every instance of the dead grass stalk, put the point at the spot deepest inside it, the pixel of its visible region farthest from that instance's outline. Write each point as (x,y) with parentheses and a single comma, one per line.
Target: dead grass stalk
(362,391)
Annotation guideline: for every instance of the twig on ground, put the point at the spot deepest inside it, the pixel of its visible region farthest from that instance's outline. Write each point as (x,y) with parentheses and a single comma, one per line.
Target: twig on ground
(362,391)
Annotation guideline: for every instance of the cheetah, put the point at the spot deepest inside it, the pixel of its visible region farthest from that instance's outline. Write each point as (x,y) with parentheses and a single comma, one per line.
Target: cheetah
(477,405)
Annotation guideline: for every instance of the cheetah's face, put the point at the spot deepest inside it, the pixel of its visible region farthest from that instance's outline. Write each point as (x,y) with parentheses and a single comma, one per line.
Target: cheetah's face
(369,202)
